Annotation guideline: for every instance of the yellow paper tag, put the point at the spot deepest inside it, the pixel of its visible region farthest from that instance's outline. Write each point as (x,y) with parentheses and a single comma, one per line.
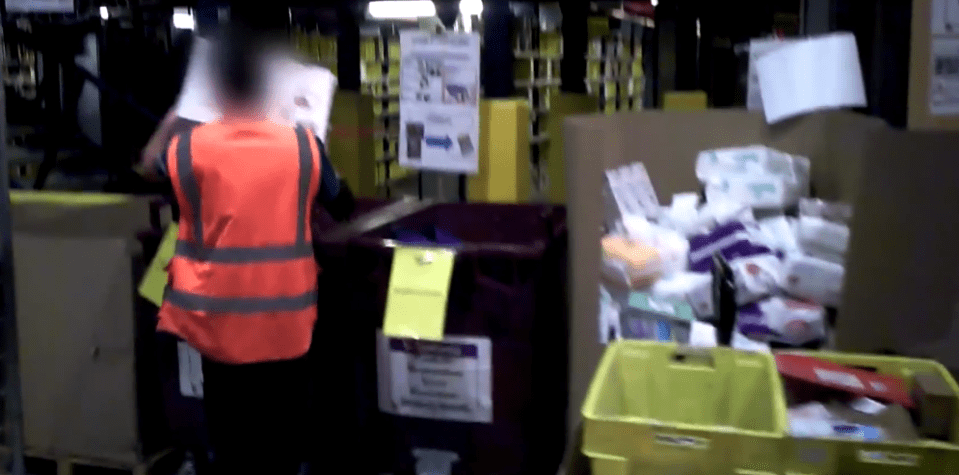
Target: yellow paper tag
(418,291)
(155,279)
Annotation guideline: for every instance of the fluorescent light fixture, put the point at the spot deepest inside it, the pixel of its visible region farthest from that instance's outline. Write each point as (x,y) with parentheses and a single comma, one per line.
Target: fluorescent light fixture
(183,19)
(400,9)
(104,13)
(471,7)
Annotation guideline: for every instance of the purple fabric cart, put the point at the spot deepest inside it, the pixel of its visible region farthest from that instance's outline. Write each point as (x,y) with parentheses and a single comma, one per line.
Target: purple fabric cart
(508,285)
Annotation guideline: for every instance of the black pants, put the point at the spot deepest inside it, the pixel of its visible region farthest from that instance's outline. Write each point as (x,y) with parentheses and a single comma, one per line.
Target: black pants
(255,416)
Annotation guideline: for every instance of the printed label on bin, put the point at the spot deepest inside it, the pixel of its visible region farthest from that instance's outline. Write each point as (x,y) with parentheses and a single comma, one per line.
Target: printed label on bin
(191,370)
(888,458)
(683,441)
(450,379)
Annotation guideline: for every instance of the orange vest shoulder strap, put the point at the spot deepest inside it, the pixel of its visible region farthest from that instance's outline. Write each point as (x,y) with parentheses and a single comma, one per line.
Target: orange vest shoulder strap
(305,151)
(188,184)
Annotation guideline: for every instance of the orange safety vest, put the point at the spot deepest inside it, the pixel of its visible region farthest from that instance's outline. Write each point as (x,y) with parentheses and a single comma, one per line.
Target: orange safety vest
(242,285)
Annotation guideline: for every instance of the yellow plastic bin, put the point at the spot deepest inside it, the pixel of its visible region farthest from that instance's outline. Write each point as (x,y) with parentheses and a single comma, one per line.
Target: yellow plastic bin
(839,456)
(661,408)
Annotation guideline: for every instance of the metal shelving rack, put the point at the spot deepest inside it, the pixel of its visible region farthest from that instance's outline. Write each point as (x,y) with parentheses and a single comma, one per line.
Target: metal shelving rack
(12,426)
(615,68)
(380,59)
(537,54)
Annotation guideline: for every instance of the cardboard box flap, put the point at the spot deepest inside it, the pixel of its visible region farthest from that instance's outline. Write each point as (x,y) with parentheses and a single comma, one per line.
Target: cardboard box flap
(79,214)
(667,143)
(902,276)
(849,138)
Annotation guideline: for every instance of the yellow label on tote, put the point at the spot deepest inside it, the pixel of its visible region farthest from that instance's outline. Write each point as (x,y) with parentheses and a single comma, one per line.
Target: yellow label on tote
(418,291)
(888,458)
(155,278)
(683,441)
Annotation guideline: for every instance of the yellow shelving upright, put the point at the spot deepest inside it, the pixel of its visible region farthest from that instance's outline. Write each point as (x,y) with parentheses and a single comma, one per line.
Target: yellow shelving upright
(316,47)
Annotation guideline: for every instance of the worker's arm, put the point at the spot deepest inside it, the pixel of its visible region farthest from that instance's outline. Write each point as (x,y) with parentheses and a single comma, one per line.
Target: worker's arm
(334,195)
(151,158)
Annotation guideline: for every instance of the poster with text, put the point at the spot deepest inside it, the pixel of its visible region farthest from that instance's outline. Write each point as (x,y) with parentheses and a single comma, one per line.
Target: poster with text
(439,101)
(944,58)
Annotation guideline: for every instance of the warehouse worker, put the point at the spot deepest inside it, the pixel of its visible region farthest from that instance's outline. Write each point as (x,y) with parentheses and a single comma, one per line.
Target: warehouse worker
(242,285)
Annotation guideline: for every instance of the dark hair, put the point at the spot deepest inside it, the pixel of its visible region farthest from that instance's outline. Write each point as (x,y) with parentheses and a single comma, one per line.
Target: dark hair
(237,64)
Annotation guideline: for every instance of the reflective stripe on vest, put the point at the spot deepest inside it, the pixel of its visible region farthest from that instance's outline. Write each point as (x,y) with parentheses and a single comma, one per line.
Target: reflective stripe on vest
(196,249)
(203,303)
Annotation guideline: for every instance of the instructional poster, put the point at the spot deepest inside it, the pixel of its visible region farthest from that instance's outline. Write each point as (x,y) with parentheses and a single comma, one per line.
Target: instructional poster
(439,101)
(447,380)
(944,74)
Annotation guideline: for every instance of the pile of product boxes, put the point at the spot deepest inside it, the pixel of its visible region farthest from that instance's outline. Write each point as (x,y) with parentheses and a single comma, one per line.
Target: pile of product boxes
(786,411)
(786,252)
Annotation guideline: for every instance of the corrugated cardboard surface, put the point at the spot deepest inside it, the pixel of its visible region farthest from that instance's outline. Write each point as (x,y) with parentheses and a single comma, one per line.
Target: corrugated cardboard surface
(667,143)
(902,278)
(74,277)
(76,345)
(920,68)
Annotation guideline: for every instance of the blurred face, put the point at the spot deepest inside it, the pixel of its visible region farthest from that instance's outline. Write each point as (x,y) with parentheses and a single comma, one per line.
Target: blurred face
(239,74)
(236,104)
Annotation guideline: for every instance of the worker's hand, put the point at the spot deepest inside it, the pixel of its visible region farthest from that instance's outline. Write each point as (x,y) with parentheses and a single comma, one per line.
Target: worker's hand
(147,166)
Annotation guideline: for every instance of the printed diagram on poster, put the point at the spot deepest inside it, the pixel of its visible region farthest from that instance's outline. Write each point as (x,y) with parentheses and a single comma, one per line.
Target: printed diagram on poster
(439,101)
(945,17)
(944,86)
(446,380)
(944,54)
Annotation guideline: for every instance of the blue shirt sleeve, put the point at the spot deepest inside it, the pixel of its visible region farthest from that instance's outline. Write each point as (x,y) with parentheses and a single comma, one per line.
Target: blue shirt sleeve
(161,166)
(329,181)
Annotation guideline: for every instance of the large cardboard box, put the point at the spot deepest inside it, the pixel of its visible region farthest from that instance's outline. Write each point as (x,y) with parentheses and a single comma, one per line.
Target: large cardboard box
(903,270)
(75,265)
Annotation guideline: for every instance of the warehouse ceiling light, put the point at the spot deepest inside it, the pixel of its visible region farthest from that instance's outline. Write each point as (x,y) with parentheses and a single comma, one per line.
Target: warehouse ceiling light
(104,13)
(471,7)
(399,9)
(183,19)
